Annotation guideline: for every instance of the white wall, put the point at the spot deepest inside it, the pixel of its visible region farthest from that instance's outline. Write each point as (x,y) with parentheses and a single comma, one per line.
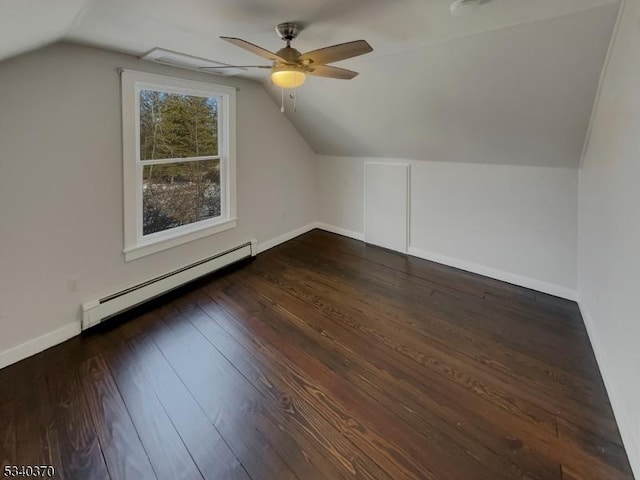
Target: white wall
(515,223)
(609,229)
(61,204)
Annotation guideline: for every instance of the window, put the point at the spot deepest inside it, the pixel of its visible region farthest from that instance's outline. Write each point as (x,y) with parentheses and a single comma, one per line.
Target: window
(179,161)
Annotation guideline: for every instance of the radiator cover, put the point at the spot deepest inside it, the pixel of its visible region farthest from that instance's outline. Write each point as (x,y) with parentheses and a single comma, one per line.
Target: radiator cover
(96,311)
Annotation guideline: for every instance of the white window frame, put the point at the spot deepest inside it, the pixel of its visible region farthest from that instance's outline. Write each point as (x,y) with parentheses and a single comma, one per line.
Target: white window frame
(136,244)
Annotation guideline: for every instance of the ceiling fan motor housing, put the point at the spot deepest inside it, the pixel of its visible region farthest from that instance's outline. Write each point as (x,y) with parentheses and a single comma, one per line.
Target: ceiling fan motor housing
(290,54)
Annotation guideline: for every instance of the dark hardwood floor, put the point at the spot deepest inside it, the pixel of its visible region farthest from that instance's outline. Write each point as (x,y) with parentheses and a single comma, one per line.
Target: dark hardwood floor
(324,358)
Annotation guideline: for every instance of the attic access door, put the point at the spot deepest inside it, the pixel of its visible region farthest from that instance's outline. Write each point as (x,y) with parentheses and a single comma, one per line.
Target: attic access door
(386,205)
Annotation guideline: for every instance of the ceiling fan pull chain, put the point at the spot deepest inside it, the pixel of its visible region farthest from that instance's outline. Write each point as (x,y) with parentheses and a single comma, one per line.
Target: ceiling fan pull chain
(282,106)
(295,101)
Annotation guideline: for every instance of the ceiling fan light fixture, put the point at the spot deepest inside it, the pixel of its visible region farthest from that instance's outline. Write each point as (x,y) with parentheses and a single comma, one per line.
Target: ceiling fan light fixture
(288,77)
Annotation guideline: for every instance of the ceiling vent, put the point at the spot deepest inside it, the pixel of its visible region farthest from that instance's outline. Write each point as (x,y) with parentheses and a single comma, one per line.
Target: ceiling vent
(181,60)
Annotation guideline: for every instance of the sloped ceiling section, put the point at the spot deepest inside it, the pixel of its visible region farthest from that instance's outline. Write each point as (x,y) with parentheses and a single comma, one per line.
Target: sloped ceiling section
(29,24)
(519,95)
(194,26)
(512,83)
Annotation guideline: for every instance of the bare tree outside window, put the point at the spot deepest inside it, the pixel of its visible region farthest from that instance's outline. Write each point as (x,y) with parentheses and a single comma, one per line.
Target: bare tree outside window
(184,128)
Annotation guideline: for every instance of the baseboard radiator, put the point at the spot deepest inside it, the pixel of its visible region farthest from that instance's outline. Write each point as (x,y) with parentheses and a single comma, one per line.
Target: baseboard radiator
(99,310)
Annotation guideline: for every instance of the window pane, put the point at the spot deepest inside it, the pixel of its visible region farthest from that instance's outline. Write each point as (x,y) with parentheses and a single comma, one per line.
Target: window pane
(177,126)
(177,194)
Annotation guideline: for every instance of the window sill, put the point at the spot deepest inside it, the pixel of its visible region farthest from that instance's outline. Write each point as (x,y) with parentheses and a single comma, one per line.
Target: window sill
(144,249)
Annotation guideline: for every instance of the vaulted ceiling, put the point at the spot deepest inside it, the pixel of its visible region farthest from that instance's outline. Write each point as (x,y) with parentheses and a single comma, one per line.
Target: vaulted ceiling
(513,82)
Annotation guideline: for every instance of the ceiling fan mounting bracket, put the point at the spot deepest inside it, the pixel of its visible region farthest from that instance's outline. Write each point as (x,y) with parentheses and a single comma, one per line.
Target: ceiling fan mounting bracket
(288,31)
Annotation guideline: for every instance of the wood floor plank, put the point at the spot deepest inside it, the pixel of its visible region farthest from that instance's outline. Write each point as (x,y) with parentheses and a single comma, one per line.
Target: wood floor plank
(413,289)
(528,430)
(162,443)
(8,438)
(323,453)
(36,429)
(80,452)
(281,381)
(546,444)
(461,280)
(421,309)
(586,392)
(439,370)
(323,358)
(408,312)
(212,455)
(602,459)
(361,418)
(430,325)
(405,401)
(123,452)
(234,416)
(565,393)
(448,280)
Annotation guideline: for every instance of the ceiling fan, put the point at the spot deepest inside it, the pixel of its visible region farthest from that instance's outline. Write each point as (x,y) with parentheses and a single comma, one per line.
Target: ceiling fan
(289,67)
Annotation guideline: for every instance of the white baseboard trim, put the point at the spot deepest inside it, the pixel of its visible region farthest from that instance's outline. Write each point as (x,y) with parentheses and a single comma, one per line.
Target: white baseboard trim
(544,287)
(631,444)
(48,340)
(37,345)
(285,237)
(51,339)
(537,285)
(340,231)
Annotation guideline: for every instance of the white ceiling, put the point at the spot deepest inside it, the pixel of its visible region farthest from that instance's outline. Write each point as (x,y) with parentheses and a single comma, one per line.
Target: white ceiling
(29,24)
(516,78)
(521,95)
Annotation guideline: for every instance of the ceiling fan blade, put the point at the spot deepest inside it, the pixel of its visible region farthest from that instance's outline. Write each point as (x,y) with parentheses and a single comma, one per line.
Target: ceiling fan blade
(336,53)
(234,66)
(333,72)
(256,50)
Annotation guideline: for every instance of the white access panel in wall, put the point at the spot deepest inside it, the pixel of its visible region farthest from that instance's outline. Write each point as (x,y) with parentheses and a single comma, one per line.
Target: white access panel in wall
(386,205)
